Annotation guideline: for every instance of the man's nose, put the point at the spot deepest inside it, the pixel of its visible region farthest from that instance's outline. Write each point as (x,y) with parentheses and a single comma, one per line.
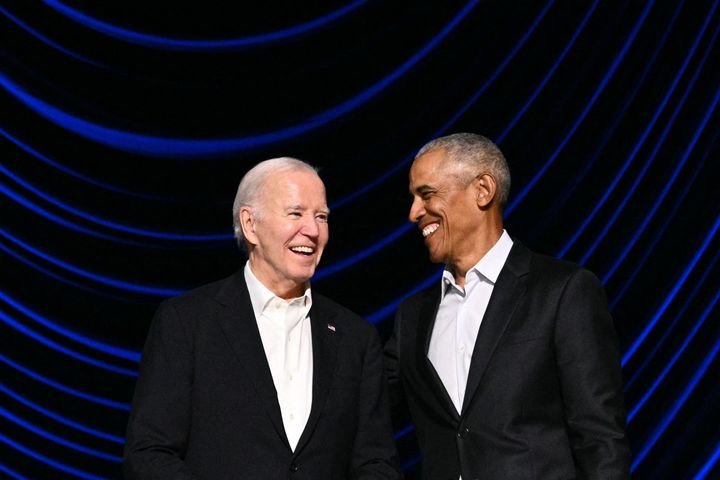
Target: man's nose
(311,226)
(416,210)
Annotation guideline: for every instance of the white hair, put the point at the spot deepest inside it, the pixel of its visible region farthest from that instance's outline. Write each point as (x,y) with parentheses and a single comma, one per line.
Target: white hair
(248,192)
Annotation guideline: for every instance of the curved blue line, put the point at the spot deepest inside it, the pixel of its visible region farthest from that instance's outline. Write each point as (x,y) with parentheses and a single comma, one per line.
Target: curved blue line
(166,43)
(11,322)
(390,308)
(550,73)
(678,317)
(646,396)
(640,143)
(11,473)
(57,439)
(106,402)
(131,355)
(61,221)
(48,461)
(677,405)
(191,148)
(353,259)
(388,173)
(106,186)
(671,296)
(47,41)
(640,176)
(54,275)
(113,282)
(60,419)
(670,214)
(404,431)
(709,464)
(187,237)
(606,79)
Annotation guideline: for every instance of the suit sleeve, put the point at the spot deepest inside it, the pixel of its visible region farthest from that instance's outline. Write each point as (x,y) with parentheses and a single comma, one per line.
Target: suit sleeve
(374,455)
(160,417)
(589,364)
(392,366)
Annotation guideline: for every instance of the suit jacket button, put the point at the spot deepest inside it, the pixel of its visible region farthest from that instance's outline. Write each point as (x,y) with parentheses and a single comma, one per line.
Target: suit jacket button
(294,467)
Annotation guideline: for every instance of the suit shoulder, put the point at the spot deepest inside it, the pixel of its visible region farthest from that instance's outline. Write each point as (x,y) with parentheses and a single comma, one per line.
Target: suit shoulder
(330,307)
(196,301)
(550,269)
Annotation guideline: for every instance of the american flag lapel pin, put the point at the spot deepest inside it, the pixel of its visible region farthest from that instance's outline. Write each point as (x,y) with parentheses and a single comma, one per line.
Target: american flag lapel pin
(331,327)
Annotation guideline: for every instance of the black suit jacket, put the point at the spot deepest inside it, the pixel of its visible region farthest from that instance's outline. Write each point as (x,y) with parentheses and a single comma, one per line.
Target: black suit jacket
(205,406)
(544,391)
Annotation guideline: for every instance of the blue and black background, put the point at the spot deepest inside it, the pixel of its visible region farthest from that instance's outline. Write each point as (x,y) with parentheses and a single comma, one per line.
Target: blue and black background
(127,126)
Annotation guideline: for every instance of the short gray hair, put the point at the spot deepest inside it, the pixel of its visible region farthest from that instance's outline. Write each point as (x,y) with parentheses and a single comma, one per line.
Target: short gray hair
(475,154)
(248,191)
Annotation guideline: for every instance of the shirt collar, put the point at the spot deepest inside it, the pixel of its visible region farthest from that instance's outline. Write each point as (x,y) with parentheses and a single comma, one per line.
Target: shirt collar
(260,295)
(489,265)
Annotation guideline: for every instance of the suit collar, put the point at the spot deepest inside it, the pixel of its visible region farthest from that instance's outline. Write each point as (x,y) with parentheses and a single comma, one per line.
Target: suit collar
(325,336)
(237,321)
(507,293)
(428,311)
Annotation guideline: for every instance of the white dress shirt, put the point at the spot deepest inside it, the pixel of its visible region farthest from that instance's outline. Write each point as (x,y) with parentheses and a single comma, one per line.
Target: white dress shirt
(459,316)
(284,327)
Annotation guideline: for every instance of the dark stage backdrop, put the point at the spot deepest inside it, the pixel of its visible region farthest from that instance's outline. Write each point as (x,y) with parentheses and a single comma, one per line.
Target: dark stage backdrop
(127,126)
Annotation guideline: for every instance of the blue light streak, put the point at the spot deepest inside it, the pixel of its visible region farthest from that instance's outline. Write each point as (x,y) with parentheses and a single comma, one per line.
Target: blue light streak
(651,157)
(628,279)
(47,160)
(638,145)
(131,355)
(60,419)
(669,330)
(707,468)
(677,405)
(57,439)
(363,254)
(113,282)
(54,275)
(671,296)
(194,148)
(601,87)
(508,58)
(106,402)
(390,308)
(46,40)
(11,322)
(11,473)
(48,461)
(674,358)
(185,237)
(167,43)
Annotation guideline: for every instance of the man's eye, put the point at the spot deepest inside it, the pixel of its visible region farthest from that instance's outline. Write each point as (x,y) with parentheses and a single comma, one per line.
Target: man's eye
(295,214)
(322,217)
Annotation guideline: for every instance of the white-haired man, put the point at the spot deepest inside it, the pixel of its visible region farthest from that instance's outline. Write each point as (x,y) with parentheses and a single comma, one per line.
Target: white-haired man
(256,376)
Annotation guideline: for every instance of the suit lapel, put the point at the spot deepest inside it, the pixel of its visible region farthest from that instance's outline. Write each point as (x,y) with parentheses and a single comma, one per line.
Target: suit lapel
(238,322)
(324,343)
(508,291)
(426,322)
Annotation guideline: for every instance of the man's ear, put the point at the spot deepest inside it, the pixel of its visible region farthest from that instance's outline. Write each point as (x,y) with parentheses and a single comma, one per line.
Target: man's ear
(486,189)
(248,223)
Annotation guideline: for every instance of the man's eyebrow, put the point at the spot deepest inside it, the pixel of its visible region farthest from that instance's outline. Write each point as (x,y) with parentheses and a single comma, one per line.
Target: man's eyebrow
(422,188)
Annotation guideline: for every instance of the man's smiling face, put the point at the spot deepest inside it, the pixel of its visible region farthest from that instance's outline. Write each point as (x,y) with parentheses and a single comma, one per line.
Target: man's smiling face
(444,207)
(290,230)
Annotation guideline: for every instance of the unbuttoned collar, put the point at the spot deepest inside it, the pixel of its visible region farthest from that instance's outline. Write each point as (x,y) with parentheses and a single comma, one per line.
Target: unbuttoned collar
(487,268)
(261,296)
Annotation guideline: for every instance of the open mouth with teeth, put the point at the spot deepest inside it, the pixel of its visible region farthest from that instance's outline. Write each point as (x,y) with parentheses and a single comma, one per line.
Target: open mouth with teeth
(303,250)
(430,229)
